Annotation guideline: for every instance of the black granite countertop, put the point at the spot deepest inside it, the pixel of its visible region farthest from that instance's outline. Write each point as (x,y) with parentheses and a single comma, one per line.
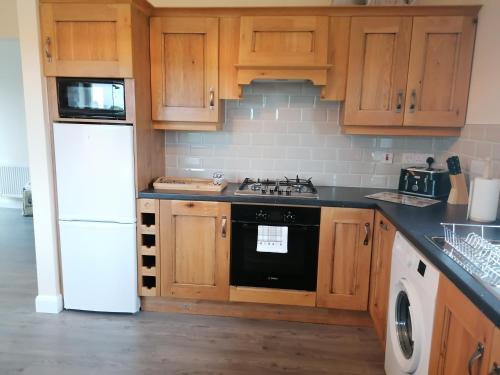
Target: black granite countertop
(414,223)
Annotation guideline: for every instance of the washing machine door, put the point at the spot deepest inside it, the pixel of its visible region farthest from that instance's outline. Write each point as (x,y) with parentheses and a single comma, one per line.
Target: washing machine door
(406,328)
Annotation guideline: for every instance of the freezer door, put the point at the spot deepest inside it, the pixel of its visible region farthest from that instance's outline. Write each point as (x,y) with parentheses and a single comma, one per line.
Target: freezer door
(95,172)
(99,266)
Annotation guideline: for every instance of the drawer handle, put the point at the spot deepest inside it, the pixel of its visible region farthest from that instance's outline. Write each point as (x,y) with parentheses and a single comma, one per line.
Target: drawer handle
(224,227)
(413,101)
(475,357)
(399,104)
(211,104)
(367,234)
(383,225)
(47,50)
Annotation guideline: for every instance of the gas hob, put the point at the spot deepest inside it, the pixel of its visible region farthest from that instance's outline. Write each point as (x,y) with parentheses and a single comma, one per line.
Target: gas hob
(286,188)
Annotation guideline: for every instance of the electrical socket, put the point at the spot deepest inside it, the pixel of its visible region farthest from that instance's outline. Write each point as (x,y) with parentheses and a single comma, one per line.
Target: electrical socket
(416,159)
(383,157)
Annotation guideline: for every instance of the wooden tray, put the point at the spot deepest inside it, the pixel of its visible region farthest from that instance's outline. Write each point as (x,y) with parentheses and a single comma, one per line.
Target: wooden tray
(185,183)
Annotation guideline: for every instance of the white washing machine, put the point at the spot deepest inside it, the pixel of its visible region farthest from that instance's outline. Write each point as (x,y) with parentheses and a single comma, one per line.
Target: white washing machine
(412,300)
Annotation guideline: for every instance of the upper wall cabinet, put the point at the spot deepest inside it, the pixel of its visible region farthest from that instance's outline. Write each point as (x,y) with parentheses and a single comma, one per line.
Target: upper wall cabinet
(408,76)
(276,47)
(184,72)
(440,69)
(87,40)
(378,70)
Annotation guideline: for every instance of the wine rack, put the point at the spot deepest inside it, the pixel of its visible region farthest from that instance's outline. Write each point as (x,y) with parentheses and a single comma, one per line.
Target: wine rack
(148,235)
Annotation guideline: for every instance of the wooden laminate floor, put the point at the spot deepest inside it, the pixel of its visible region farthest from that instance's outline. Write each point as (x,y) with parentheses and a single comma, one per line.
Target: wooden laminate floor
(77,343)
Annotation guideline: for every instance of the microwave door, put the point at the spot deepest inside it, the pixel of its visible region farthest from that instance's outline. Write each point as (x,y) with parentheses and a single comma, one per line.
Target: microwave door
(97,98)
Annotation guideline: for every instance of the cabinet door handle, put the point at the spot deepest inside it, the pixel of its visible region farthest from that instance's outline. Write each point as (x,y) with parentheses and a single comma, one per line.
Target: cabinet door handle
(495,370)
(211,104)
(367,234)
(223,227)
(475,357)
(399,103)
(413,101)
(383,225)
(48,54)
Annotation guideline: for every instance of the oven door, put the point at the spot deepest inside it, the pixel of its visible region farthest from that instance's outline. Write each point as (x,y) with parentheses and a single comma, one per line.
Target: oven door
(294,269)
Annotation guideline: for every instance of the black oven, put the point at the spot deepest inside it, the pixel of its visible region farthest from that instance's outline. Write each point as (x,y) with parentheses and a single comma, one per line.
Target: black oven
(274,246)
(92,98)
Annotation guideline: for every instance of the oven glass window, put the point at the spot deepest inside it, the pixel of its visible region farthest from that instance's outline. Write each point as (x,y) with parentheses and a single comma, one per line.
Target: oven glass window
(403,324)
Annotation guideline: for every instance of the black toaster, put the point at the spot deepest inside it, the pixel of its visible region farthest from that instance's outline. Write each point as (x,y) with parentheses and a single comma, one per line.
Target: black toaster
(425,182)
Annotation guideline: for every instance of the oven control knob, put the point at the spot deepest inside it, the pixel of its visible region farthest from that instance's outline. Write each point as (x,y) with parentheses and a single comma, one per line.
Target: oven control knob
(261,215)
(289,217)
(414,187)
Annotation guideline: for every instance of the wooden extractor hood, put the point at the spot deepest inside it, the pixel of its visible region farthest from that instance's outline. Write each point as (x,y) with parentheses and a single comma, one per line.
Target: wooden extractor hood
(283,47)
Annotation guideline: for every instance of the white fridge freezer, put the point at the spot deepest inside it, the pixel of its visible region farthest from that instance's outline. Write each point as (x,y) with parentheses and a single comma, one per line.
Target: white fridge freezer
(96,205)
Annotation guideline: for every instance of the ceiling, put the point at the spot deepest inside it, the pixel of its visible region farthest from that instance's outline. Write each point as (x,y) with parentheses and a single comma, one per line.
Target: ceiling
(241,3)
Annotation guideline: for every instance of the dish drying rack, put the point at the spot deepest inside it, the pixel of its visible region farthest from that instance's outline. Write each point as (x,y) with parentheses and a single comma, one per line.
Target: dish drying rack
(469,247)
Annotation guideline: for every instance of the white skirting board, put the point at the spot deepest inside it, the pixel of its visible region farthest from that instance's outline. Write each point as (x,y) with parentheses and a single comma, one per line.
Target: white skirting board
(49,304)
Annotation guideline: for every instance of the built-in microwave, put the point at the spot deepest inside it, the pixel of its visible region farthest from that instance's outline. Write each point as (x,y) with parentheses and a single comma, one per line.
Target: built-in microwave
(91,98)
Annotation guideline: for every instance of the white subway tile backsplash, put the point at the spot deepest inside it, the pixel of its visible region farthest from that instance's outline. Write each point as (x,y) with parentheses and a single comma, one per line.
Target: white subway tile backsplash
(298,153)
(289,114)
(324,154)
(336,167)
(350,154)
(314,114)
(279,129)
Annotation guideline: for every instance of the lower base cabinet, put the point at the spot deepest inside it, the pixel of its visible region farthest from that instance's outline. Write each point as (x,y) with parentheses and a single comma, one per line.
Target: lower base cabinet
(195,240)
(345,247)
(463,338)
(380,276)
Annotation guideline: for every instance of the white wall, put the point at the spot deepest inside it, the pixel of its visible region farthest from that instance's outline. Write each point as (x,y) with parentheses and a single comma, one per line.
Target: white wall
(13,147)
(484,98)
(49,297)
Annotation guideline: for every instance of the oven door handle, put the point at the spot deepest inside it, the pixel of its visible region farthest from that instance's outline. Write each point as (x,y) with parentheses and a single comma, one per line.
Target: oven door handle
(254,223)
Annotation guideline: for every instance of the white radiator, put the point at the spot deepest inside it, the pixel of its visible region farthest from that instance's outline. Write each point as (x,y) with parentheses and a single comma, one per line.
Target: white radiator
(12,181)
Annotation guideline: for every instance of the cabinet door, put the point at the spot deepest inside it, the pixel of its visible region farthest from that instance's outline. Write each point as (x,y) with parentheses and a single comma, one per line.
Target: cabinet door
(377,71)
(195,249)
(439,71)
(494,367)
(383,239)
(283,40)
(87,40)
(345,245)
(459,327)
(184,69)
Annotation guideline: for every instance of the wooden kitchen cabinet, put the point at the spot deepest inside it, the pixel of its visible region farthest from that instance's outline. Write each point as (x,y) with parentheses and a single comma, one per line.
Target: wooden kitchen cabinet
(408,75)
(439,71)
(185,72)
(459,328)
(345,247)
(383,239)
(86,40)
(195,240)
(494,366)
(377,71)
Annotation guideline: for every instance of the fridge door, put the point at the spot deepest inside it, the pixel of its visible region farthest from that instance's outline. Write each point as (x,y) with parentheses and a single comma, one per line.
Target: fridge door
(95,172)
(99,266)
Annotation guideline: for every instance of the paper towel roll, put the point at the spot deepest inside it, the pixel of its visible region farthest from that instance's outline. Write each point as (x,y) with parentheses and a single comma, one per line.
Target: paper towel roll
(484,202)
